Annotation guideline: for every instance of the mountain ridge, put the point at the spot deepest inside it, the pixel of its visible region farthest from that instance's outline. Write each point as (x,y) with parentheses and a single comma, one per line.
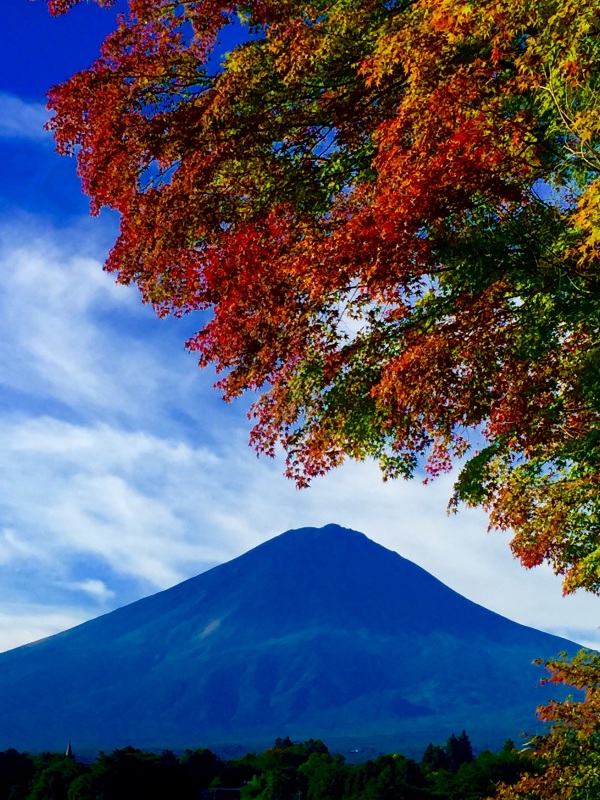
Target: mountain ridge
(319,632)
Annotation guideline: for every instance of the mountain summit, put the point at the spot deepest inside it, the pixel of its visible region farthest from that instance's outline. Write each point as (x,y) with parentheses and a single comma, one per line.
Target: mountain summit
(316,633)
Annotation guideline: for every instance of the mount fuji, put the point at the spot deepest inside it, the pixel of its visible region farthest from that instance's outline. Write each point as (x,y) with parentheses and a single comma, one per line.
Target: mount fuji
(316,633)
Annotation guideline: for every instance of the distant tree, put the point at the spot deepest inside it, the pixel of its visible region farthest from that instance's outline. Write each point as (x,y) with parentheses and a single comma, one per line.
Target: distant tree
(434,759)
(82,788)
(53,779)
(311,746)
(128,772)
(458,750)
(199,768)
(289,753)
(283,742)
(478,779)
(278,783)
(16,774)
(279,769)
(301,770)
(391,776)
(237,772)
(325,776)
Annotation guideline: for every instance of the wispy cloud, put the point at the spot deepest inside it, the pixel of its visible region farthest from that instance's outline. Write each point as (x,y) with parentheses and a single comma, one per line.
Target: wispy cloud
(22,120)
(124,497)
(93,587)
(24,623)
(13,548)
(52,345)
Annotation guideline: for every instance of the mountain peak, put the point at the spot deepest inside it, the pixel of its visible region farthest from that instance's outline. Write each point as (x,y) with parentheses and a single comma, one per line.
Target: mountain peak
(319,632)
(327,535)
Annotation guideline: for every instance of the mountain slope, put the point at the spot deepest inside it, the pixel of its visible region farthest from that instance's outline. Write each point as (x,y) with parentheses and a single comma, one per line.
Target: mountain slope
(318,632)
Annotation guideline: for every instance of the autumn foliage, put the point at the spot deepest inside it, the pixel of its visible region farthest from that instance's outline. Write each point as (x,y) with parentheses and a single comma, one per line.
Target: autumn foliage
(392,211)
(569,755)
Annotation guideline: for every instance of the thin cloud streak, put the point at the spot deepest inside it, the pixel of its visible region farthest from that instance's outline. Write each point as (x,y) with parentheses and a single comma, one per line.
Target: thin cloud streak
(21,625)
(23,120)
(93,587)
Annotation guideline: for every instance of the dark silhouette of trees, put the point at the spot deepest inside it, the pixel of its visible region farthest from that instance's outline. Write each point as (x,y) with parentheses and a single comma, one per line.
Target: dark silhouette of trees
(16,774)
(458,751)
(287,771)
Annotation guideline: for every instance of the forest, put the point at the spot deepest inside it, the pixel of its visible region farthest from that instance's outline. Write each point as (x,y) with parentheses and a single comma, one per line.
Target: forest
(286,771)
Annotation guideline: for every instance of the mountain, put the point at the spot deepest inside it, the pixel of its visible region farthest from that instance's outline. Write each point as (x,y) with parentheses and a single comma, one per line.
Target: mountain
(316,633)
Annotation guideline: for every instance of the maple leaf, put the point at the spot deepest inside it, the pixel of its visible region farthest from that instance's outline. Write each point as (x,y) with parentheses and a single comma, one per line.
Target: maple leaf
(568,755)
(391,211)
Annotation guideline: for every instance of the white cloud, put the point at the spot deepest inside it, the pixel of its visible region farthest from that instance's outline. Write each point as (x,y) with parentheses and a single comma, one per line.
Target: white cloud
(51,345)
(12,548)
(123,497)
(96,588)
(71,335)
(22,120)
(21,625)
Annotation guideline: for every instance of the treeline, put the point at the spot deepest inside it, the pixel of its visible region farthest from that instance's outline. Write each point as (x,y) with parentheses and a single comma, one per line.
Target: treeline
(287,771)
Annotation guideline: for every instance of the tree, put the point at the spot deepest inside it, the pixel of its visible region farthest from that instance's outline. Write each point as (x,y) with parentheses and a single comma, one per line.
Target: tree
(477,778)
(458,750)
(82,788)
(53,778)
(434,759)
(392,776)
(325,776)
(200,767)
(16,774)
(392,210)
(129,772)
(569,754)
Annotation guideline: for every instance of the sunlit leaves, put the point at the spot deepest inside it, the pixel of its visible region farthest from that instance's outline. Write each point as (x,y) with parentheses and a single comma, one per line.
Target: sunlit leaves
(392,210)
(569,755)
(57,7)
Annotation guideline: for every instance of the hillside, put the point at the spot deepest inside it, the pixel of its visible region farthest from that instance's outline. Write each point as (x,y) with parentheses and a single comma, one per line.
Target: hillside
(316,633)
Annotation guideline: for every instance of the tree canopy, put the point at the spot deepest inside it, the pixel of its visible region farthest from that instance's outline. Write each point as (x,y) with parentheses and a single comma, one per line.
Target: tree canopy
(569,755)
(390,211)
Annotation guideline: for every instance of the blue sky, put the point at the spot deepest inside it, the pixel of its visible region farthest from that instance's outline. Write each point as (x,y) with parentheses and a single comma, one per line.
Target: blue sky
(122,471)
